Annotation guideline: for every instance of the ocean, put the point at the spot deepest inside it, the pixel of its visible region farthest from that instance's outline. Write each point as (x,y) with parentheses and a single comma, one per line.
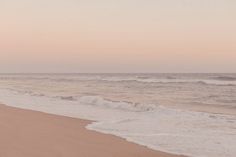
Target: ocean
(189,114)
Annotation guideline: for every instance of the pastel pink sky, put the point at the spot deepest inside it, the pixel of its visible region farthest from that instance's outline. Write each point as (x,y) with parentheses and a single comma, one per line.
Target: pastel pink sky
(118,36)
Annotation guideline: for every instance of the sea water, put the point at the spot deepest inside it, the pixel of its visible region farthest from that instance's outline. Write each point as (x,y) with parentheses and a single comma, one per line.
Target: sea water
(189,114)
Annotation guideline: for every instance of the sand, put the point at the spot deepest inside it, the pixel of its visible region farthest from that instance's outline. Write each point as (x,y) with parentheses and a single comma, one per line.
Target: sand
(25,133)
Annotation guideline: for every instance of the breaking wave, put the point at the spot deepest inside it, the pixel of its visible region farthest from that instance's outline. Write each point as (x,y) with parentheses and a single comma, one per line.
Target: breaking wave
(126,106)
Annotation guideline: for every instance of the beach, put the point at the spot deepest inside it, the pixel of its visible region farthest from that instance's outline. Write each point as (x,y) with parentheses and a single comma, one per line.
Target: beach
(26,133)
(185,114)
(123,78)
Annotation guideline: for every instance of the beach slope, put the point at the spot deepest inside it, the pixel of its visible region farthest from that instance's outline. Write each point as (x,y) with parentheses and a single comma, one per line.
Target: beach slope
(27,133)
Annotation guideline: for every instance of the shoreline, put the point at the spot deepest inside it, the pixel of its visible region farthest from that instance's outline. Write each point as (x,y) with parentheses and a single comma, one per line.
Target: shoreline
(32,133)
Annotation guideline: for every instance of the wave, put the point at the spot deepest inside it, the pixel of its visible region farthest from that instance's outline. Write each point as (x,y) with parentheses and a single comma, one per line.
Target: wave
(194,79)
(225,78)
(69,98)
(93,101)
(120,105)
(180,81)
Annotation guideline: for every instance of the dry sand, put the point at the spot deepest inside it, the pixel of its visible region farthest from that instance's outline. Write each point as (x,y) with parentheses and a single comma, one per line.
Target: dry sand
(25,133)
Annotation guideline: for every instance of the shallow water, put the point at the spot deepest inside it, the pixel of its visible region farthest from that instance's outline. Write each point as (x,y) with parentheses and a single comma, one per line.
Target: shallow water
(160,111)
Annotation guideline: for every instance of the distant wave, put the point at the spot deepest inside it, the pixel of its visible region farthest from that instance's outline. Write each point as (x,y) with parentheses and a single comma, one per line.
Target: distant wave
(227,81)
(69,98)
(165,81)
(210,80)
(225,78)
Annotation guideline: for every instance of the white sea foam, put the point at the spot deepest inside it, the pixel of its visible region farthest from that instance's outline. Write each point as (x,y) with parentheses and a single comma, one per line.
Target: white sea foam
(195,134)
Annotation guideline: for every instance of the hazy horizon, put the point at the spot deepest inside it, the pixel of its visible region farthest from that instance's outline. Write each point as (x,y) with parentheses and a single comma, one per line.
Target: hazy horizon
(72,73)
(126,36)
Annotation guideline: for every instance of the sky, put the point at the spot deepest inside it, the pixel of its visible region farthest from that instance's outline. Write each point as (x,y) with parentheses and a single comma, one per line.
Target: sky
(117,36)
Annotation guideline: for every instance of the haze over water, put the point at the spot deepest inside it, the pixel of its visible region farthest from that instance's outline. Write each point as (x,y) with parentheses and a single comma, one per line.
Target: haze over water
(118,36)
